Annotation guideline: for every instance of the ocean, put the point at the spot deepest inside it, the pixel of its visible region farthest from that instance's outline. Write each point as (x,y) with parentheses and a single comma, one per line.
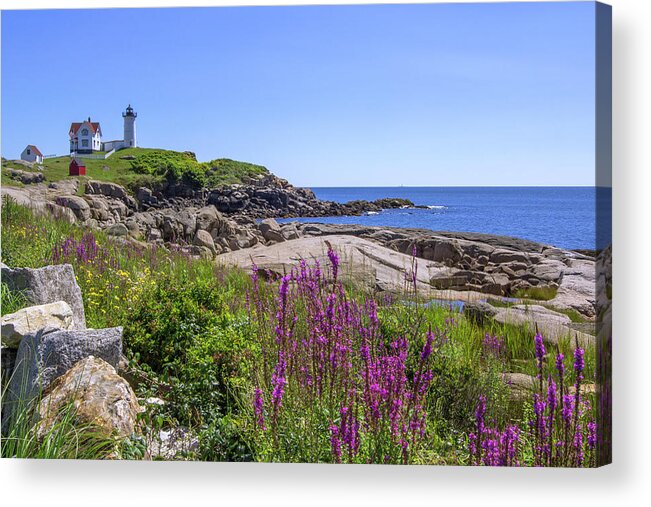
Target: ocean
(559,216)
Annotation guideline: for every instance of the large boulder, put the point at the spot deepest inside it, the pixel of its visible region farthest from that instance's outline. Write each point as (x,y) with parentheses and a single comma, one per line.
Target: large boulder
(171,228)
(61,212)
(111,190)
(554,326)
(479,312)
(289,232)
(117,230)
(437,250)
(7,361)
(99,396)
(26,177)
(242,239)
(271,230)
(99,208)
(188,220)
(16,326)
(145,196)
(208,218)
(78,205)
(501,255)
(48,285)
(203,238)
(444,281)
(106,188)
(48,354)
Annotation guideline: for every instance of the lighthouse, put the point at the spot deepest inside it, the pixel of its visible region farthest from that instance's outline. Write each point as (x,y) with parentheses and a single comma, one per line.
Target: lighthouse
(130,127)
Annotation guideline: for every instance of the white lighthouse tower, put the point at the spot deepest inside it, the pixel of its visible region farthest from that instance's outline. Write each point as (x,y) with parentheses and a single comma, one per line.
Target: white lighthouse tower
(130,127)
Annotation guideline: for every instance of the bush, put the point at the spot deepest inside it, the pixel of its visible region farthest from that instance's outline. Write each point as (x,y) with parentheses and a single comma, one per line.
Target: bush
(187,337)
(176,167)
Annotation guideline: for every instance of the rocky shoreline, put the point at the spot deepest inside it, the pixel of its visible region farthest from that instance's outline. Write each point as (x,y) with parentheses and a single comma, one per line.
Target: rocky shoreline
(235,224)
(488,276)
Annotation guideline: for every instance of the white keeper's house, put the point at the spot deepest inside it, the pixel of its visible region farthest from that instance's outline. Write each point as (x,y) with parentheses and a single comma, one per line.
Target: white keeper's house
(32,154)
(86,136)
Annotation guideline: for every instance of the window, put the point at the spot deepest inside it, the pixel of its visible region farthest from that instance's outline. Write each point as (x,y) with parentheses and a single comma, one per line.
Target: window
(29,151)
(84,132)
(84,143)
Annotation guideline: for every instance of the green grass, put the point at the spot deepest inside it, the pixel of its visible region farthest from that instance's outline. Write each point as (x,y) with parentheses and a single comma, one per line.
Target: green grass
(537,293)
(66,438)
(11,301)
(150,167)
(574,316)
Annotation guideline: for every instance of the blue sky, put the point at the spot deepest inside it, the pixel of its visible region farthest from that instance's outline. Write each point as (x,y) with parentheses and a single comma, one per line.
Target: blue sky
(368,95)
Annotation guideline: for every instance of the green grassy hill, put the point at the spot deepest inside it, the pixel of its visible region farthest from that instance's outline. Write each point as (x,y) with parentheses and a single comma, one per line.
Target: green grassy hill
(134,167)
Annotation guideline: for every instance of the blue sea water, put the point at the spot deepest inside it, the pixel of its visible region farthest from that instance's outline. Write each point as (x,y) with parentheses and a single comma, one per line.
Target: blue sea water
(560,216)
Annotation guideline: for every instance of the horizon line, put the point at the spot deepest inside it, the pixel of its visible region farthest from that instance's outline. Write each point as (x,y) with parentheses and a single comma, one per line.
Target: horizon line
(456,186)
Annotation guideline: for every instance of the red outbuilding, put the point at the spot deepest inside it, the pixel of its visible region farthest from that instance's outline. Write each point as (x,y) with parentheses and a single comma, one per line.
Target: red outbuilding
(77,168)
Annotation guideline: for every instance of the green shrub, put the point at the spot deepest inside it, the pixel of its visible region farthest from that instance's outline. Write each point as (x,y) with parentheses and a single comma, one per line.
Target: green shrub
(176,167)
(225,171)
(188,338)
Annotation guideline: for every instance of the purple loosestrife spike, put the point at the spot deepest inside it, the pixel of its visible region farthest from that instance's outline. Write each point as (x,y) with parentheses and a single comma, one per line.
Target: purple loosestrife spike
(579,363)
(427,349)
(258,406)
(278,381)
(334,260)
(578,446)
(592,435)
(551,394)
(284,288)
(540,348)
(538,406)
(560,365)
(335,443)
(568,408)
(472,444)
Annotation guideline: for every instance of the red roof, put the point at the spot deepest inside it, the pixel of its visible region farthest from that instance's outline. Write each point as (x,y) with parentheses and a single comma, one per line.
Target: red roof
(74,127)
(35,150)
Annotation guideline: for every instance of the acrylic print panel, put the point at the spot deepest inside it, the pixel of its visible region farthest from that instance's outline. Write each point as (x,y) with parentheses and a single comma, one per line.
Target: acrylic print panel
(320,234)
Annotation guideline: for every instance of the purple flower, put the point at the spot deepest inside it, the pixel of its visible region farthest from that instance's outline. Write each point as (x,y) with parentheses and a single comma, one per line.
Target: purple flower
(258,407)
(540,348)
(335,443)
(492,345)
(560,365)
(427,349)
(592,434)
(568,408)
(579,362)
(284,287)
(578,446)
(551,394)
(480,412)
(334,260)
(278,382)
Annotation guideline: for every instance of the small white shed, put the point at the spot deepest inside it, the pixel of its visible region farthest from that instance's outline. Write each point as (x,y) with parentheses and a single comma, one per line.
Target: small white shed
(32,154)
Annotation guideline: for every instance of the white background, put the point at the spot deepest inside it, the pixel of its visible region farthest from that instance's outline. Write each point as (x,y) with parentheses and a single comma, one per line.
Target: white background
(626,482)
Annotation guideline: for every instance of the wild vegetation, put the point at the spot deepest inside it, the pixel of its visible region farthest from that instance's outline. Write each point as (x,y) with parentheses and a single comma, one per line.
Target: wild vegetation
(308,367)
